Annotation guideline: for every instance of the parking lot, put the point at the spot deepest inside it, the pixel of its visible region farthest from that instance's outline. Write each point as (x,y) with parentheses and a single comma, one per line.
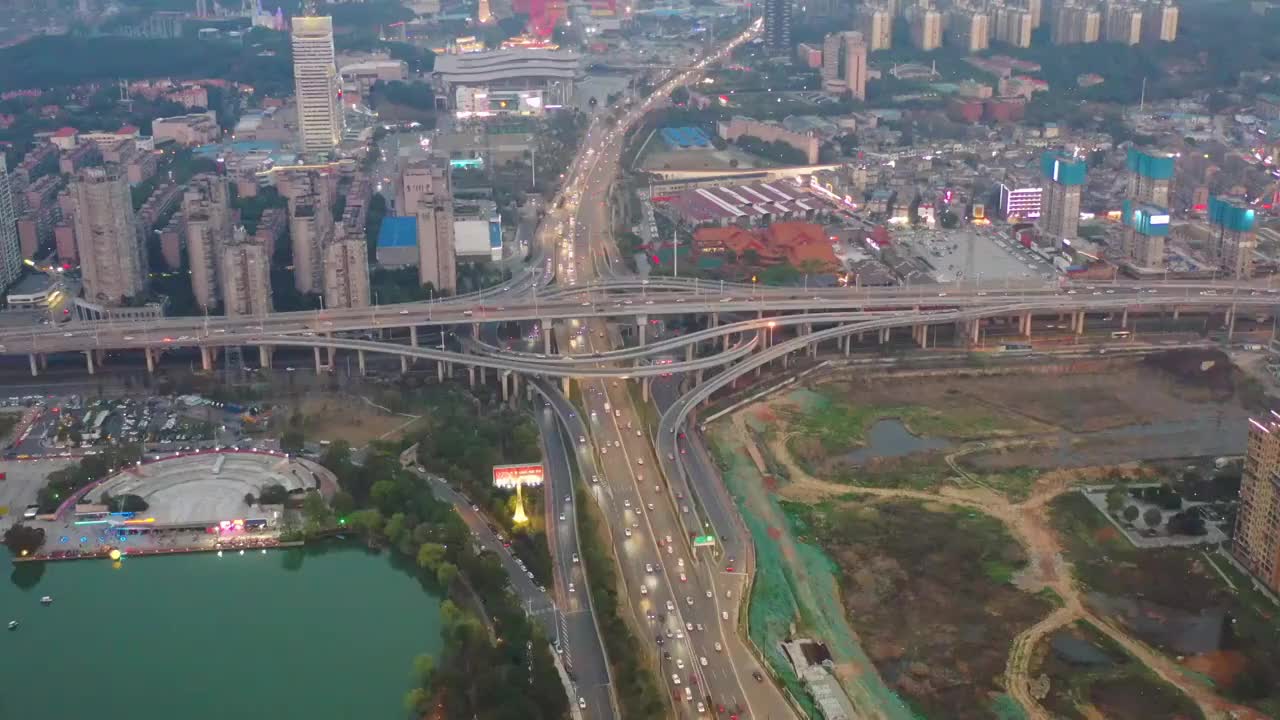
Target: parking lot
(23,479)
(995,258)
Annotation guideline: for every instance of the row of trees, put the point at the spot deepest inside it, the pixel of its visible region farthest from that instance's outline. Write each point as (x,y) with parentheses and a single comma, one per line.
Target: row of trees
(397,508)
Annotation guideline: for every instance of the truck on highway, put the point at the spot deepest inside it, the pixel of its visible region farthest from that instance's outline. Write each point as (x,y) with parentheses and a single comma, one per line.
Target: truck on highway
(1015,348)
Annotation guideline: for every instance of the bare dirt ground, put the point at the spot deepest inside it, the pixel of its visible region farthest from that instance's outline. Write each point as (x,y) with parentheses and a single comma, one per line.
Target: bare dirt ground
(344,417)
(1029,523)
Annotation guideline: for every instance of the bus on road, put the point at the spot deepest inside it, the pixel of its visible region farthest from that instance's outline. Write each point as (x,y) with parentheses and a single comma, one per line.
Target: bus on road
(1120,334)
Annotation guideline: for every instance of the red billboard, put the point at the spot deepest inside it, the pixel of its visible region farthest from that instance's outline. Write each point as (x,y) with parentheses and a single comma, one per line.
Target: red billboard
(509,476)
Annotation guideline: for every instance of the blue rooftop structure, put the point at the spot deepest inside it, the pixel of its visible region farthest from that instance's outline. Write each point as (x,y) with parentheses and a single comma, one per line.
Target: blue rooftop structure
(1158,166)
(398,232)
(1233,215)
(1062,168)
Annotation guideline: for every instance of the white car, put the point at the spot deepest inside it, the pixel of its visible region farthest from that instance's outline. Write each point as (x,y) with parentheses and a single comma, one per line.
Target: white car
(675,679)
(719,647)
(571,588)
(644,590)
(679,664)
(708,592)
(703,660)
(575,559)
(626,531)
(671,607)
(639,461)
(689,601)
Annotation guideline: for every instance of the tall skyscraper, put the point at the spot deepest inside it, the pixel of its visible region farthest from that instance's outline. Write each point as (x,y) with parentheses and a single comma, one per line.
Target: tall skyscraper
(968,29)
(1145,228)
(777,27)
(1233,241)
(346,272)
(1064,178)
(1123,24)
(245,272)
(876,24)
(1159,21)
(310,230)
(1256,543)
(113,264)
(425,193)
(926,27)
(317,87)
(1013,26)
(1149,176)
(206,211)
(10,250)
(844,64)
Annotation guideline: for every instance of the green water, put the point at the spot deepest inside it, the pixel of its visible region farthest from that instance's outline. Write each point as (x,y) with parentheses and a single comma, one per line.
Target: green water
(310,634)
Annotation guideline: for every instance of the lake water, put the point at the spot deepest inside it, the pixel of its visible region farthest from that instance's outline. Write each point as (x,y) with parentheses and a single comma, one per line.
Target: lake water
(890,438)
(327,633)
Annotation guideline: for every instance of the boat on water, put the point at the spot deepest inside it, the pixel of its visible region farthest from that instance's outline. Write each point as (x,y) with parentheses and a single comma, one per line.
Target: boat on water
(13,624)
(46,600)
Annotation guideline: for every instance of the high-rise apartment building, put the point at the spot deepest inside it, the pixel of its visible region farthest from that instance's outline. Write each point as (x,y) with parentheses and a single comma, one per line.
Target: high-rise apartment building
(245,272)
(346,273)
(1159,21)
(1036,9)
(1123,24)
(1233,241)
(206,212)
(876,24)
(777,27)
(311,228)
(1013,26)
(10,249)
(926,27)
(844,64)
(317,87)
(968,29)
(1074,24)
(113,264)
(1149,176)
(1064,178)
(1256,543)
(425,193)
(1145,228)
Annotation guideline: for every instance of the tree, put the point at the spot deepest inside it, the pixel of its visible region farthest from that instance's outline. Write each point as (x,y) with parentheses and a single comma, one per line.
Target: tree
(273,494)
(430,555)
(446,573)
(292,441)
(342,503)
(395,528)
(1152,517)
(416,700)
(680,95)
(1131,513)
(316,510)
(424,667)
(248,499)
(1116,497)
(23,539)
(367,522)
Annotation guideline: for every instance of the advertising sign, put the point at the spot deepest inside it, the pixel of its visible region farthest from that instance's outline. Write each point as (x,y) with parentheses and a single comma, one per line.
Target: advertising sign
(509,476)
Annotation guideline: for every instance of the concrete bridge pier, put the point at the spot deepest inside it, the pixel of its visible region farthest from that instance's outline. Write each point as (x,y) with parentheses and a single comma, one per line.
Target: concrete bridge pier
(439,370)
(1231,322)
(644,389)
(35,369)
(642,321)
(697,376)
(848,344)
(413,340)
(1176,312)
(1124,318)
(319,366)
(404,364)
(546,336)
(1078,321)
(502,380)
(88,358)
(206,359)
(471,376)
(148,356)
(264,356)
(360,361)
(975,331)
(481,369)
(564,385)
(1026,325)
(688,353)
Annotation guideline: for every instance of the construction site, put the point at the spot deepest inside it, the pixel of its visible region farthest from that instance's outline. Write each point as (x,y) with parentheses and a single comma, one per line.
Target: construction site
(912,524)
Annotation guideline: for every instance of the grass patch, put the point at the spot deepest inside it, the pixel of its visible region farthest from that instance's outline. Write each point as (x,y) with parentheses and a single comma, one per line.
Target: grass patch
(7,422)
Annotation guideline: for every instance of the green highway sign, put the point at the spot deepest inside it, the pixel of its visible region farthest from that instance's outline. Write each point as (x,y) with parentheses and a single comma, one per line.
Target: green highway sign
(704,541)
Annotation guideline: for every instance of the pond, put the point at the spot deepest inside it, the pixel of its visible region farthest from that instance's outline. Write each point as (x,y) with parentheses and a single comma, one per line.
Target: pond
(891,438)
(318,633)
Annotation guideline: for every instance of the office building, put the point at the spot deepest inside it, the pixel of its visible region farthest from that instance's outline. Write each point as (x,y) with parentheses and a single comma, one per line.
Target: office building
(1145,228)
(528,79)
(245,272)
(1020,202)
(1232,242)
(1064,177)
(777,28)
(1256,543)
(1159,21)
(1149,176)
(346,272)
(206,212)
(844,64)
(1075,24)
(1013,26)
(425,193)
(113,264)
(1123,24)
(10,252)
(926,27)
(876,24)
(317,88)
(968,30)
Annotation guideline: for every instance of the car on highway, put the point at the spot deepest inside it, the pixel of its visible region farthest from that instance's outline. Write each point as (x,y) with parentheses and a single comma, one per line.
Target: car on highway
(571,587)
(675,679)
(688,600)
(639,461)
(719,647)
(626,531)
